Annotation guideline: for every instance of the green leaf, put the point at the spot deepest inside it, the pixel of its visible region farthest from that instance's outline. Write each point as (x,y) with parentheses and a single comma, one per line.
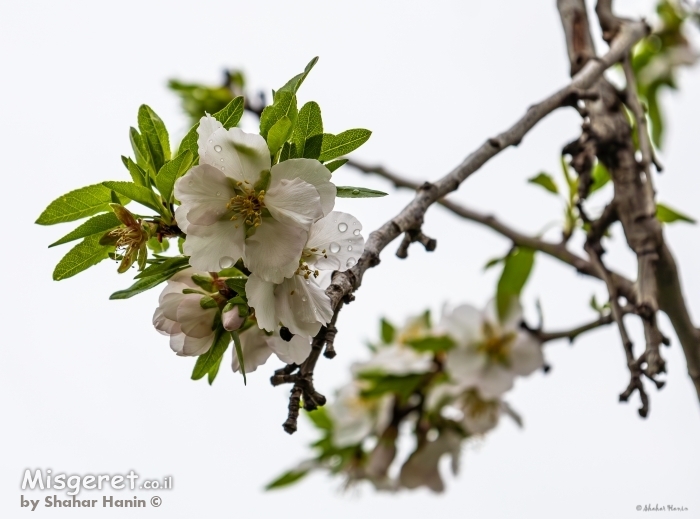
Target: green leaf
(666,214)
(138,175)
(332,166)
(154,135)
(285,105)
(87,253)
(278,134)
(77,204)
(308,132)
(139,194)
(237,284)
(287,479)
(600,176)
(357,192)
(516,270)
(141,151)
(178,263)
(381,384)
(289,151)
(239,354)
(230,115)
(97,224)
(546,181)
(388,331)
(320,419)
(158,246)
(492,263)
(336,145)
(293,84)
(170,172)
(189,142)
(212,358)
(432,344)
(145,283)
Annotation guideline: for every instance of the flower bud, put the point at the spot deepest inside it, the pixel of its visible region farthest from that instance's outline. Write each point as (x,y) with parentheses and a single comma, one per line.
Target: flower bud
(232,319)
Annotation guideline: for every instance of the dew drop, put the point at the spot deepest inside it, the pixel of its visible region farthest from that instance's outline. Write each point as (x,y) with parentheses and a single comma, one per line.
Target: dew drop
(355,191)
(210,141)
(351,262)
(356,232)
(349,247)
(226,262)
(221,160)
(217,148)
(304,299)
(308,282)
(342,227)
(335,247)
(218,193)
(222,168)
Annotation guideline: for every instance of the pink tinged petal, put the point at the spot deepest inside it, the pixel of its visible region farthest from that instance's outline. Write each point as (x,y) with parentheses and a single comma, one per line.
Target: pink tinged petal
(215,246)
(194,320)
(338,234)
(261,297)
(463,324)
(254,349)
(311,171)
(294,351)
(273,252)
(197,345)
(232,319)
(205,192)
(181,218)
(294,202)
(170,303)
(526,354)
(302,305)
(163,324)
(493,381)
(177,342)
(239,155)
(207,126)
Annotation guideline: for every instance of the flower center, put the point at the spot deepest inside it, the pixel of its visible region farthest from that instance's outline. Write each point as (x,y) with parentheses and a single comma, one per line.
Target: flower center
(476,407)
(128,237)
(305,271)
(248,206)
(496,347)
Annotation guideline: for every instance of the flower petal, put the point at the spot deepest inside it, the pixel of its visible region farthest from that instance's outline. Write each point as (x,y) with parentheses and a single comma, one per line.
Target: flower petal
(526,354)
(294,202)
(465,365)
(494,380)
(338,234)
(197,345)
(311,171)
(216,246)
(207,126)
(261,297)
(194,320)
(204,191)
(254,349)
(274,250)
(240,155)
(463,324)
(302,306)
(294,351)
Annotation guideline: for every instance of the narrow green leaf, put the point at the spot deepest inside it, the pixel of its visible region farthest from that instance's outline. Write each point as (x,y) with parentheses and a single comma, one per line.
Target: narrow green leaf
(97,224)
(144,284)
(139,194)
(285,105)
(357,192)
(77,204)
(239,354)
(278,134)
(189,142)
(87,253)
(666,214)
(492,263)
(337,145)
(170,172)
(546,181)
(288,152)
(600,176)
(332,166)
(154,135)
(286,479)
(516,270)
(293,84)
(320,419)
(432,344)
(230,115)
(308,132)
(158,246)
(212,358)
(178,263)
(237,284)
(387,331)
(141,151)
(138,175)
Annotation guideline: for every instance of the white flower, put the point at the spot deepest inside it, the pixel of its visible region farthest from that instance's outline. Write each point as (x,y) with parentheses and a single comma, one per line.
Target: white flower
(298,302)
(489,354)
(182,316)
(234,192)
(356,417)
(257,346)
(421,468)
(476,414)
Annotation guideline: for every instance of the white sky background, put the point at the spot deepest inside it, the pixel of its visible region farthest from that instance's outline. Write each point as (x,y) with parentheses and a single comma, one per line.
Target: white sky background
(88,386)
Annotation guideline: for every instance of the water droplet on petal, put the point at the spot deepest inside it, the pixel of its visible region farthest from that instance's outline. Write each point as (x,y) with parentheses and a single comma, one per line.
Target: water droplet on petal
(349,247)
(218,193)
(210,141)
(221,160)
(351,262)
(304,299)
(222,168)
(335,248)
(342,227)
(356,232)
(355,191)
(308,282)
(217,148)
(226,262)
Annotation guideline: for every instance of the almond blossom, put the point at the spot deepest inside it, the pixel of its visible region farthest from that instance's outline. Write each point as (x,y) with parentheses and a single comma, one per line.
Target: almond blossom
(298,302)
(257,346)
(235,205)
(183,317)
(489,352)
(355,417)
